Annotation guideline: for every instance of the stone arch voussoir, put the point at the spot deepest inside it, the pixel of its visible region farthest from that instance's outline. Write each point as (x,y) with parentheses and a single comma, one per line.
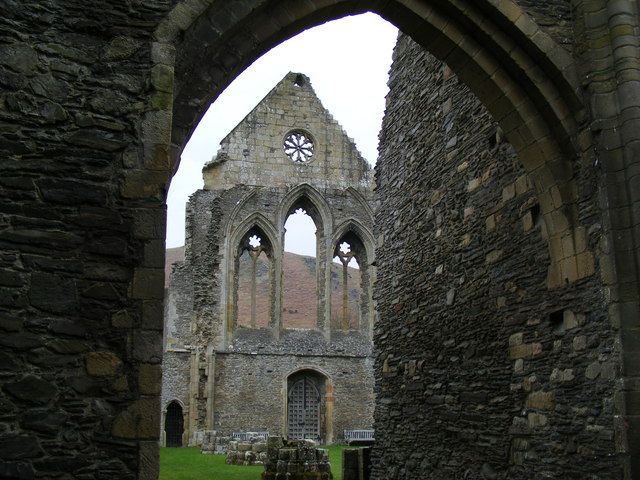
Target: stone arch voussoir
(306,193)
(255,220)
(525,79)
(359,230)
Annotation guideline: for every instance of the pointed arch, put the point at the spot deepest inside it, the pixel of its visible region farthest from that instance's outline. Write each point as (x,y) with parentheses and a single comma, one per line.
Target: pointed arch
(176,400)
(314,368)
(236,244)
(174,423)
(309,198)
(363,201)
(348,311)
(233,216)
(502,29)
(525,79)
(255,221)
(363,233)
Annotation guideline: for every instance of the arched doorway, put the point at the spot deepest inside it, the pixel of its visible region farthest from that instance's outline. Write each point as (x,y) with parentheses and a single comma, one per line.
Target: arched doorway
(174,425)
(306,407)
(497,87)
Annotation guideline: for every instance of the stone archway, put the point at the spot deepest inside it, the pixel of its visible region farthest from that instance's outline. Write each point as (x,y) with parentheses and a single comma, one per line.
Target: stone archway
(309,406)
(174,425)
(90,150)
(525,80)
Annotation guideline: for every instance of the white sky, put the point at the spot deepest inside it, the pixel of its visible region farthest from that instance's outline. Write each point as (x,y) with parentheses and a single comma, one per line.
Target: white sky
(347,61)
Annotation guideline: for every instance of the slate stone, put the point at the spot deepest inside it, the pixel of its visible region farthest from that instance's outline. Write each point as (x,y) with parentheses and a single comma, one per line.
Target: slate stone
(16,471)
(32,389)
(8,362)
(43,420)
(99,139)
(52,293)
(21,340)
(43,357)
(15,447)
(67,327)
(20,57)
(72,192)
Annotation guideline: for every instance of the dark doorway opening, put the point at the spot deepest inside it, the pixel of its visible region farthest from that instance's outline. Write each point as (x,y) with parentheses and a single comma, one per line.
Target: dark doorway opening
(174,425)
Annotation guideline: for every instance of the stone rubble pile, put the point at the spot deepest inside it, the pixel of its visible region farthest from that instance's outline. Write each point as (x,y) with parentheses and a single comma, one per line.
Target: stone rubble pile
(214,443)
(249,452)
(296,460)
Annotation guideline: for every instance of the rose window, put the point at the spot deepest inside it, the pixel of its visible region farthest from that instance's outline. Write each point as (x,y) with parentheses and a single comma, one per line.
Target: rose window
(298,146)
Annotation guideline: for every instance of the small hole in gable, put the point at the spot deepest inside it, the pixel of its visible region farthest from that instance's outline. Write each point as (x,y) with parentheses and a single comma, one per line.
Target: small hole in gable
(299,80)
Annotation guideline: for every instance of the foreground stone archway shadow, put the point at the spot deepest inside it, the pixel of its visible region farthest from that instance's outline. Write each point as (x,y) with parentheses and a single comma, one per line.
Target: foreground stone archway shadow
(84,234)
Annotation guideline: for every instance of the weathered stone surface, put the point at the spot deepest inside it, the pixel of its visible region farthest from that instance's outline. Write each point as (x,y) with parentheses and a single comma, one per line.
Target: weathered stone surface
(14,447)
(102,363)
(32,389)
(43,420)
(451,218)
(16,470)
(52,293)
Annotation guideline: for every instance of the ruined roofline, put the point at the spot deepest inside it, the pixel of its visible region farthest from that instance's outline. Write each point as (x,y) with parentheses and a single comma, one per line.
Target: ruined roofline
(303,81)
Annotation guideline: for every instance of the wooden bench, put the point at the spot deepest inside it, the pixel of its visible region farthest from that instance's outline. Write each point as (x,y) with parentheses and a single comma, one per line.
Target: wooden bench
(247,436)
(359,437)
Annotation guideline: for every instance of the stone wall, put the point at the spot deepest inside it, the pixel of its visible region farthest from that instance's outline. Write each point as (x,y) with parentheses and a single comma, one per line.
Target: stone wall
(251,390)
(481,368)
(80,338)
(97,100)
(238,372)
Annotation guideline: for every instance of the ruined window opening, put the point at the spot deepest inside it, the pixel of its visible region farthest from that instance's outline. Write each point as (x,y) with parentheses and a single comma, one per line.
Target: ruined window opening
(299,271)
(299,81)
(346,283)
(253,274)
(298,146)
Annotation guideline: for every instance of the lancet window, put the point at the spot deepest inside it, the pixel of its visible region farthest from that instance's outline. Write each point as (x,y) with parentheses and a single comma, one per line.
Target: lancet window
(346,293)
(253,281)
(300,278)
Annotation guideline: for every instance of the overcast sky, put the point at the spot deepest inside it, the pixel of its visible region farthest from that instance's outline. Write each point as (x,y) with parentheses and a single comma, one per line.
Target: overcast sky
(347,61)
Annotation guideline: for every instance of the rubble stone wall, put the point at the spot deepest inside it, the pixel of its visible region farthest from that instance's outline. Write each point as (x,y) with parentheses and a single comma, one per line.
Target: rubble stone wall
(99,97)
(251,390)
(239,371)
(480,366)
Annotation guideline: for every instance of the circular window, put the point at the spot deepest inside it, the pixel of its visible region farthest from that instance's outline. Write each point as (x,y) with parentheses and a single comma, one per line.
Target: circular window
(298,146)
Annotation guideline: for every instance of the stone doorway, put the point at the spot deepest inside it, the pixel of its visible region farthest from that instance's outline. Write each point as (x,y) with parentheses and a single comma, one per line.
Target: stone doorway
(174,425)
(306,410)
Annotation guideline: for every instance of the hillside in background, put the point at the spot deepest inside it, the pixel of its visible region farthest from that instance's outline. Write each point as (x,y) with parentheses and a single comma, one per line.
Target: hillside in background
(299,289)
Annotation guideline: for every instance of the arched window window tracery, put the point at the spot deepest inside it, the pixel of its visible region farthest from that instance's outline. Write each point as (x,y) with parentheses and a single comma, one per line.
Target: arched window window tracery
(300,283)
(349,253)
(253,280)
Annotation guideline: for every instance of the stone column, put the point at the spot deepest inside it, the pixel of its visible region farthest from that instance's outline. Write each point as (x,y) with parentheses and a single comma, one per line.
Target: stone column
(611,76)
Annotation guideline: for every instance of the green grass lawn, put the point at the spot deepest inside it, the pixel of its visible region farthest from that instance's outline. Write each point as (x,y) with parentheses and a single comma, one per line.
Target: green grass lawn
(189,464)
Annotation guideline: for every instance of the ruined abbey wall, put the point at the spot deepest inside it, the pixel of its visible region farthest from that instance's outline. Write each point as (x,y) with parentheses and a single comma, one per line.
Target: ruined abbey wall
(231,372)
(481,366)
(98,99)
